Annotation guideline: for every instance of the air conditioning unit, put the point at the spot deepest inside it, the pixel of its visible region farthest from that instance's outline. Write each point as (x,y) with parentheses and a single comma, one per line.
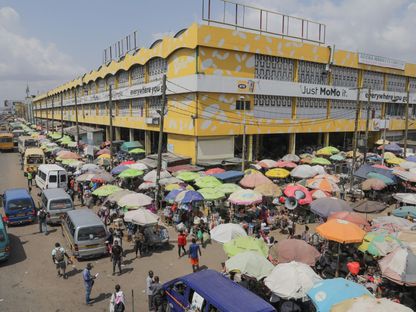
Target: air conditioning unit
(152,120)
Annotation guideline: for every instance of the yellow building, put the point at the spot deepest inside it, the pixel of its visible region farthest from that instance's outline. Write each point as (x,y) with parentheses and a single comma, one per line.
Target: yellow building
(221,82)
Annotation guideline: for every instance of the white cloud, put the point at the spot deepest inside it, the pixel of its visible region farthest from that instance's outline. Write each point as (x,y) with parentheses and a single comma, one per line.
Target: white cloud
(26,59)
(381,27)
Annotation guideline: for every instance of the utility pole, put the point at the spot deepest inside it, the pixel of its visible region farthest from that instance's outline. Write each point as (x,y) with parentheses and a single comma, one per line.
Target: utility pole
(384,133)
(243,157)
(406,129)
(62,115)
(46,113)
(354,143)
(110,108)
(53,113)
(367,124)
(76,119)
(159,148)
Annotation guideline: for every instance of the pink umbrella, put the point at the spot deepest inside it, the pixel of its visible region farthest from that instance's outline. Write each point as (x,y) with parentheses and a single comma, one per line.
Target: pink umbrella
(300,192)
(69,155)
(267,163)
(103,151)
(286,164)
(127,162)
(214,171)
(253,180)
(381,166)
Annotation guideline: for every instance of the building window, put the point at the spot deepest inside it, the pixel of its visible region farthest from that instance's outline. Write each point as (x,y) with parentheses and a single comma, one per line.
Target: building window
(373,80)
(273,68)
(344,77)
(239,105)
(137,75)
(157,67)
(137,107)
(123,79)
(312,73)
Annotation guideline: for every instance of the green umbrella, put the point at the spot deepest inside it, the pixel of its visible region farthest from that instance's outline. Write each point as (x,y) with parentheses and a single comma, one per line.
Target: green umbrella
(207,181)
(72,144)
(106,190)
(188,176)
(320,161)
(245,243)
(337,157)
(228,188)
(68,161)
(375,175)
(137,151)
(250,263)
(131,173)
(379,244)
(211,193)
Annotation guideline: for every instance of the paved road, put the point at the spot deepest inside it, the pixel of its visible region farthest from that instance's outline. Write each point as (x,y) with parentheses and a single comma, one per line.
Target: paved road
(29,281)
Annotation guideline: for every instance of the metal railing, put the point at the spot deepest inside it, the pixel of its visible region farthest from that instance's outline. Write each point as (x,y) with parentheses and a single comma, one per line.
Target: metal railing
(247,17)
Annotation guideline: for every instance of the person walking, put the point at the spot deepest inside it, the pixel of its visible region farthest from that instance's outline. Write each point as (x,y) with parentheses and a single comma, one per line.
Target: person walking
(138,242)
(88,282)
(149,292)
(58,257)
(29,181)
(181,243)
(117,301)
(194,253)
(42,220)
(157,295)
(116,256)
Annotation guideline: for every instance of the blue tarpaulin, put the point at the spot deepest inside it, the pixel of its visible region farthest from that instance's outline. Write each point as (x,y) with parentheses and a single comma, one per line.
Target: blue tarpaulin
(229,176)
(363,171)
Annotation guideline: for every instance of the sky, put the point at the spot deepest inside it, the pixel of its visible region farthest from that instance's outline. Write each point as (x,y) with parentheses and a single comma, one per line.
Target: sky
(45,43)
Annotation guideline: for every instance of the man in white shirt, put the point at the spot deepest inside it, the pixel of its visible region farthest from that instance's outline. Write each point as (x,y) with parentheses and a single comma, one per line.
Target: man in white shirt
(58,257)
(149,291)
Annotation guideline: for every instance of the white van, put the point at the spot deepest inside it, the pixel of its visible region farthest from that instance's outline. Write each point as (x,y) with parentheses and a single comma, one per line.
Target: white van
(56,202)
(51,176)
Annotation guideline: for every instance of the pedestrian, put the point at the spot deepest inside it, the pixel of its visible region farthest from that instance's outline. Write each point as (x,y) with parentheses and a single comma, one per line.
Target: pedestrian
(116,257)
(157,294)
(42,220)
(138,242)
(88,282)
(29,180)
(110,240)
(149,282)
(58,257)
(117,301)
(193,252)
(81,193)
(181,243)
(306,236)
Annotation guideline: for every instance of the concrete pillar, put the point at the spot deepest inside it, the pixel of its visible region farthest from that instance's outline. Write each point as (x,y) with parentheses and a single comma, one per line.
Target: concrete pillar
(118,133)
(107,133)
(319,142)
(326,138)
(250,148)
(148,142)
(292,144)
(131,134)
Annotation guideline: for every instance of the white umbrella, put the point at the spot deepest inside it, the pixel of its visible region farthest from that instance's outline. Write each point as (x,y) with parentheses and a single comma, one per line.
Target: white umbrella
(319,169)
(134,200)
(224,233)
(303,172)
(151,176)
(90,168)
(399,222)
(408,198)
(405,175)
(250,263)
(164,181)
(141,216)
(407,165)
(138,166)
(367,303)
(291,157)
(291,280)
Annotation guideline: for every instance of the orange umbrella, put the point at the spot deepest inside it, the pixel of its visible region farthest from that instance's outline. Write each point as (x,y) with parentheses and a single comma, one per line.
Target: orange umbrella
(352,217)
(323,184)
(286,164)
(341,231)
(327,176)
(306,160)
(69,155)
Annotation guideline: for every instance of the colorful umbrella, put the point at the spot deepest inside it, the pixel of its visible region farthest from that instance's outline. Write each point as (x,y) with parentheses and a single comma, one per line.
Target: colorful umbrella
(337,157)
(151,176)
(291,157)
(174,186)
(250,171)
(327,151)
(90,168)
(391,147)
(352,217)
(134,200)
(214,171)
(373,184)
(250,263)
(395,161)
(211,193)
(127,162)
(405,175)
(303,172)
(267,163)
(207,181)
(137,151)
(103,151)
(277,173)
(389,155)
(316,194)
(369,303)
(291,280)
(170,197)
(106,190)
(253,180)
(119,169)
(141,217)
(226,232)
(188,197)
(307,160)
(188,176)
(379,244)
(399,266)
(102,177)
(68,155)
(138,166)
(130,173)
(301,193)
(286,164)
(298,250)
(245,197)
(329,292)
(375,175)
(228,188)
(320,161)
(407,164)
(245,243)
(411,158)
(381,166)
(104,156)
(322,184)
(325,206)
(268,190)
(405,211)
(341,231)
(327,176)
(391,224)
(119,194)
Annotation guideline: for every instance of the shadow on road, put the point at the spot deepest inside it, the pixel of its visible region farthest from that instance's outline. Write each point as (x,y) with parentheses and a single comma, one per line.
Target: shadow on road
(73,272)
(101,297)
(17,253)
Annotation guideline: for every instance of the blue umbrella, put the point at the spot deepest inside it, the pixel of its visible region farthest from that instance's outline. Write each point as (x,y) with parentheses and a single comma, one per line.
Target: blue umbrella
(411,158)
(392,147)
(119,169)
(382,177)
(188,197)
(332,291)
(172,195)
(404,211)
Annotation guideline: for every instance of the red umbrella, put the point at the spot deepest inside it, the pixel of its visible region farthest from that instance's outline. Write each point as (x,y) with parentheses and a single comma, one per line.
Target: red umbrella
(127,162)
(214,171)
(288,250)
(103,151)
(286,164)
(300,192)
(352,217)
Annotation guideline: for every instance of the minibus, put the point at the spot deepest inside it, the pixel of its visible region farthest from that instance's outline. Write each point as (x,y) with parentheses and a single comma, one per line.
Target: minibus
(18,206)
(51,176)
(32,159)
(56,202)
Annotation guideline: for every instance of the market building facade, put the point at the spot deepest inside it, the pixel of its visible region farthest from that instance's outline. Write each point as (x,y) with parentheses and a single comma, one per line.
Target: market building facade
(223,83)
